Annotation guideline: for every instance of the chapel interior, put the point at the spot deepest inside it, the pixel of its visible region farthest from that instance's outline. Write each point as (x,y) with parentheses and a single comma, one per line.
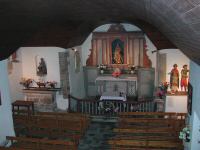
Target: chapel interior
(100,75)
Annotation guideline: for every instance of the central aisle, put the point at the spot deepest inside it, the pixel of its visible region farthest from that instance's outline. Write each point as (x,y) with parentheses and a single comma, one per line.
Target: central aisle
(97,135)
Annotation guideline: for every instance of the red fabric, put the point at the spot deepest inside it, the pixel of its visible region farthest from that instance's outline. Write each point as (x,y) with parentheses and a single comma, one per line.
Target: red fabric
(184,82)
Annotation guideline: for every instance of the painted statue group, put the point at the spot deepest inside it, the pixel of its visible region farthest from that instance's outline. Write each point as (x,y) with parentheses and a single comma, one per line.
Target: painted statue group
(174,78)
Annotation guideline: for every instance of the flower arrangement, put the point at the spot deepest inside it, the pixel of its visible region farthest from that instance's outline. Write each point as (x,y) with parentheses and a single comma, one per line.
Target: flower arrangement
(132,69)
(162,89)
(102,67)
(26,82)
(164,86)
(107,107)
(185,134)
(116,73)
(52,84)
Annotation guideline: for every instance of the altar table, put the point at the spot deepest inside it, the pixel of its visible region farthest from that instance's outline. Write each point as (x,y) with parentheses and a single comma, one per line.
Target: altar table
(115,96)
(127,85)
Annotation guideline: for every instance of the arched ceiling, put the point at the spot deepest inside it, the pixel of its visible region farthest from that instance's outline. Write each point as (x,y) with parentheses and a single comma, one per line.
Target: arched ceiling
(67,23)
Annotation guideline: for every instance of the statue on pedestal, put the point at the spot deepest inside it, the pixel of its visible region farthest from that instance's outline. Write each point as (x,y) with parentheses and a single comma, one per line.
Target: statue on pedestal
(184,78)
(174,78)
(42,69)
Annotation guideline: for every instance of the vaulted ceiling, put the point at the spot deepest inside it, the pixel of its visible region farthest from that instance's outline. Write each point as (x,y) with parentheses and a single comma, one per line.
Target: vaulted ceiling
(67,23)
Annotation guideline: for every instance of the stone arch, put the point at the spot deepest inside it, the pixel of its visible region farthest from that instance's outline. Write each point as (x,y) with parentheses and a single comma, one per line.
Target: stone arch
(169,23)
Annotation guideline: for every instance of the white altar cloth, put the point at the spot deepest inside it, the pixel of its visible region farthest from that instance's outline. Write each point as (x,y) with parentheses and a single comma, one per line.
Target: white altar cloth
(110,78)
(113,96)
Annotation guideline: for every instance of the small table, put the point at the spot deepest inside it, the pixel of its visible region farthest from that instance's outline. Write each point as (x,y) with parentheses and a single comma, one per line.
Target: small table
(29,105)
(109,101)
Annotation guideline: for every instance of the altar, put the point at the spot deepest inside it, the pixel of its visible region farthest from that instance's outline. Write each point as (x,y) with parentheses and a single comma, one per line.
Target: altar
(126,85)
(44,98)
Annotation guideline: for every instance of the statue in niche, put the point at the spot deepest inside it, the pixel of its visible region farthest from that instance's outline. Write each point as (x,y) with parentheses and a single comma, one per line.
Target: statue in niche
(117,56)
(117,52)
(41,68)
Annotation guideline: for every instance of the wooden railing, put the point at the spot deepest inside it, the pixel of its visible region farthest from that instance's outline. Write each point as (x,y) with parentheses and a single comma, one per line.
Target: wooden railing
(96,107)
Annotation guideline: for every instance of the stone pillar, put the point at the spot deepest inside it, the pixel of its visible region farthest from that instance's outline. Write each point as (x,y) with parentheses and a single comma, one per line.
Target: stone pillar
(64,73)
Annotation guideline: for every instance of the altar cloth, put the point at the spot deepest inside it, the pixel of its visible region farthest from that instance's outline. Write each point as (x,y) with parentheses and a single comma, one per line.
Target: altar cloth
(115,96)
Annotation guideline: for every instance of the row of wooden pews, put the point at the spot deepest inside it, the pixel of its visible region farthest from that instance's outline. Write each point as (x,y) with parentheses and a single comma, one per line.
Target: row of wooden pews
(24,143)
(148,131)
(48,130)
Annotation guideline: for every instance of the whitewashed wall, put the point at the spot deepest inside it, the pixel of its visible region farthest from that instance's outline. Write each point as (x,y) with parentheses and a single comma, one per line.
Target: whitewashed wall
(6,122)
(14,78)
(50,55)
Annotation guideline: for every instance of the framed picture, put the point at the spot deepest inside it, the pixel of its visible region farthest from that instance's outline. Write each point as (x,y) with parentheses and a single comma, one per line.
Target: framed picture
(189,103)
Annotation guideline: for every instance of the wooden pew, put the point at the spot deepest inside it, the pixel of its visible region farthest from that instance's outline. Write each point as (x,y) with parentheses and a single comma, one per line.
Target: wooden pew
(144,144)
(147,137)
(152,120)
(11,148)
(54,128)
(51,126)
(167,132)
(148,130)
(41,144)
(168,115)
(177,124)
(84,118)
(20,123)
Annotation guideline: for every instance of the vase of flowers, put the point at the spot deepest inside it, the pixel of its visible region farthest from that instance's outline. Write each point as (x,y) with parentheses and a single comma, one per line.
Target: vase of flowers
(26,82)
(162,89)
(132,69)
(185,134)
(102,67)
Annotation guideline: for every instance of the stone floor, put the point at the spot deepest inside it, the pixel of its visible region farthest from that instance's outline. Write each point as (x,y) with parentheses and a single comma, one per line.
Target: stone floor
(97,135)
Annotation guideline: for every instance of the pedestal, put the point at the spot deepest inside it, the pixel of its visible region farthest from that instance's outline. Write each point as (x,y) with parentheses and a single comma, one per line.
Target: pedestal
(159,103)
